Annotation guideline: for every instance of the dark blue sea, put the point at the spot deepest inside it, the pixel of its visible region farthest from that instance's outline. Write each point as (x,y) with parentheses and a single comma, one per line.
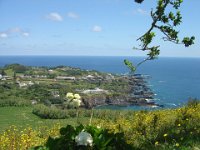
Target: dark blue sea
(173,80)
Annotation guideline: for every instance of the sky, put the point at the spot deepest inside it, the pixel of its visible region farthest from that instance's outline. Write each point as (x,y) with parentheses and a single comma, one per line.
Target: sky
(87,27)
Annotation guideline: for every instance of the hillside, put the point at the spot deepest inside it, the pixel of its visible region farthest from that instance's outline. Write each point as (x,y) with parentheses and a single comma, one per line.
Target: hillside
(25,85)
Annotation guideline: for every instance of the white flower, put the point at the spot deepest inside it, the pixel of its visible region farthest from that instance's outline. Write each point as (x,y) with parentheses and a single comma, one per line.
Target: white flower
(84,138)
(98,127)
(76,103)
(70,95)
(77,96)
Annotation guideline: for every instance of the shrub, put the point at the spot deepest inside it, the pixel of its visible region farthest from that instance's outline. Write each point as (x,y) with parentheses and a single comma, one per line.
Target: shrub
(23,139)
(14,102)
(86,138)
(193,102)
(49,112)
(56,100)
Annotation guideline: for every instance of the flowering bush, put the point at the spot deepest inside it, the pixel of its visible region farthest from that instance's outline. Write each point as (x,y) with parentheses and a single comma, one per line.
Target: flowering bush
(161,129)
(15,139)
(86,138)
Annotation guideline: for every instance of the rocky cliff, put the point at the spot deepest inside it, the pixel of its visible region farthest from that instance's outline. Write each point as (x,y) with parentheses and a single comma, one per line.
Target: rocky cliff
(139,94)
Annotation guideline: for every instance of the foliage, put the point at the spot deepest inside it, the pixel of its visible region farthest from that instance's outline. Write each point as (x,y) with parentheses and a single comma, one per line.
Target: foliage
(14,138)
(193,102)
(46,112)
(166,22)
(3,73)
(49,112)
(17,68)
(101,138)
(161,129)
(56,100)
(35,85)
(14,102)
(39,92)
(158,129)
(13,95)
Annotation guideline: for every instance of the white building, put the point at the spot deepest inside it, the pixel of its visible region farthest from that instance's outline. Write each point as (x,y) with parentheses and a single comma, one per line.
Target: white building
(65,78)
(22,84)
(95,91)
(30,83)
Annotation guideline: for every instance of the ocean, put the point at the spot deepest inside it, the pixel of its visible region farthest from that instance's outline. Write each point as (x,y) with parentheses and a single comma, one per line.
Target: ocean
(173,80)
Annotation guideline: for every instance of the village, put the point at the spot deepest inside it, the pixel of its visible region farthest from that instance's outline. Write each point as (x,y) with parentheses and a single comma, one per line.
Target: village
(96,88)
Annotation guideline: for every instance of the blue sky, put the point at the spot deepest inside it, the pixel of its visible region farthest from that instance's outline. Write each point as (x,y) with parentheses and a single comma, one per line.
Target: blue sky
(87,27)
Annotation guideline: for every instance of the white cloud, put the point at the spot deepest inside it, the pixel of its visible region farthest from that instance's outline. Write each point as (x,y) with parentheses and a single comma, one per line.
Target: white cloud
(26,34)
(18,30)
(3,35)
(54,16)
(72,15)
(142,12)
(97,28)
(14,31)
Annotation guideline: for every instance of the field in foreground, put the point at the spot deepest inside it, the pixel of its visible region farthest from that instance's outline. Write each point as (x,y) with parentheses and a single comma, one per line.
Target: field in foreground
(163,129)
(22,117)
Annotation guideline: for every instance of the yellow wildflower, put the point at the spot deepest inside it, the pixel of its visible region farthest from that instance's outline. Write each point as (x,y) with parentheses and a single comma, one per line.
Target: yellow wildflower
(156,143)
(165,135)
(177,144)
(77,96)
(179,125)
(70,95)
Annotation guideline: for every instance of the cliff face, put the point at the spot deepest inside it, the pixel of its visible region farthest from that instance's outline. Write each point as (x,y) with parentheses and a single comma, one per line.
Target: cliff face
(139,94)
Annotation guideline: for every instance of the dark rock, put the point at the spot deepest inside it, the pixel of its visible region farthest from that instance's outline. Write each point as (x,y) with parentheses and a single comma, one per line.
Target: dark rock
(139,94)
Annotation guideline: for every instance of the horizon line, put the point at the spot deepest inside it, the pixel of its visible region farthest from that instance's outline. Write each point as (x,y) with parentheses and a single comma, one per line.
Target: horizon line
(97,56)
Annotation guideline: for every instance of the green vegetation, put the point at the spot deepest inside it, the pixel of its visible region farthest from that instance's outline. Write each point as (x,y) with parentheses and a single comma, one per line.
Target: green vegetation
(49,86)
(162,129)
(22,117)
(86,138)
(45,95)
(24,85)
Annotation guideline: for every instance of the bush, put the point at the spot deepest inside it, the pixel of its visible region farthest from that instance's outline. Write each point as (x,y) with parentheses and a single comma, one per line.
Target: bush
(169,129)
(17,68)
(193,102)
(49,112)
(14,102)
(86,138)
(56,100)
(161,129)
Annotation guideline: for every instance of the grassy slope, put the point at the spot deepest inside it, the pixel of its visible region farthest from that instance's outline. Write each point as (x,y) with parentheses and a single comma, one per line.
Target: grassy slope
(23,117)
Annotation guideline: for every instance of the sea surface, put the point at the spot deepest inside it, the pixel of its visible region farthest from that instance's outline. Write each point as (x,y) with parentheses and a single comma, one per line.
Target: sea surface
(173,80)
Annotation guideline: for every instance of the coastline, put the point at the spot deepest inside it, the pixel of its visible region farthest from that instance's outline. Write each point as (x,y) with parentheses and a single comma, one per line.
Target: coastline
(139,95)
(172,79)
(96,88)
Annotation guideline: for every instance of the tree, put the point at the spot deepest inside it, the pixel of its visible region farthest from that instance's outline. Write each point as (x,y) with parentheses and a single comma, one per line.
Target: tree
(14,76)
(166,22)
(3,73)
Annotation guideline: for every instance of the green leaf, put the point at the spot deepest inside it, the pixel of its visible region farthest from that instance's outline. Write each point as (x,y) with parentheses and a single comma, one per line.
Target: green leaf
(129,65)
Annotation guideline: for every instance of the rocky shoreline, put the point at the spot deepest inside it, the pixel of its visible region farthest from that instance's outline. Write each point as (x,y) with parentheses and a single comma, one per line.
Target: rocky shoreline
(139,95)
